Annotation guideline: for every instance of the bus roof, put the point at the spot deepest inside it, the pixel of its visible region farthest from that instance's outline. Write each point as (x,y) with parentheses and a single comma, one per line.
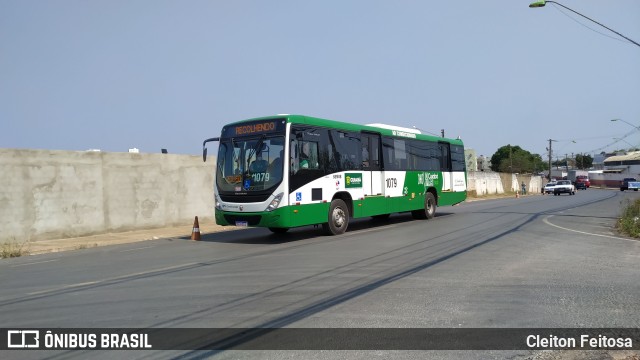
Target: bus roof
(390,130)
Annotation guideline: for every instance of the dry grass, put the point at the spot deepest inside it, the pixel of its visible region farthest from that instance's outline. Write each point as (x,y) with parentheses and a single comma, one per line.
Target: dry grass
(85,246)
(629,223)
(13,249)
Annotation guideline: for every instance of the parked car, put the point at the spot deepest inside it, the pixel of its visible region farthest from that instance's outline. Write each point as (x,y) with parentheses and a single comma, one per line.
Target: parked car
(583,179)
(564,187)
(581,185)
(548,189)
(629,184)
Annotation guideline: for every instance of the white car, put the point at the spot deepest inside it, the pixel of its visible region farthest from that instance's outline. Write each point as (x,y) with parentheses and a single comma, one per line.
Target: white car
(564,187)
(548,189)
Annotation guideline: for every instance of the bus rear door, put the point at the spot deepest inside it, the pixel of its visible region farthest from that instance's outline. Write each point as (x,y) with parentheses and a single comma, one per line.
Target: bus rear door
(445,166)
(373,174)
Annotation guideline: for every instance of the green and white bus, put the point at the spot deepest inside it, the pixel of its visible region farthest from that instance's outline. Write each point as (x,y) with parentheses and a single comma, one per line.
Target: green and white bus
(286,171)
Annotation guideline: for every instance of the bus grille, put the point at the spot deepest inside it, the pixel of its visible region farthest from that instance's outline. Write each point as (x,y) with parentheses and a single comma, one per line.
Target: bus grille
(246,198)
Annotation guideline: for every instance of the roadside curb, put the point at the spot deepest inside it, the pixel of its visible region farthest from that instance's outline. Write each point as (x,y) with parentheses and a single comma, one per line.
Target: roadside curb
(182,232)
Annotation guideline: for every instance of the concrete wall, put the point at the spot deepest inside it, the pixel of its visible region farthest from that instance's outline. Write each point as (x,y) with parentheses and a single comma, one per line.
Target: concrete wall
(488,183)
(55,194)
(484,183)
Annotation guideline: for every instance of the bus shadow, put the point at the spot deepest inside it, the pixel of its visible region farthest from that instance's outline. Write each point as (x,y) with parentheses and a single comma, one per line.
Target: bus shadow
(266,237)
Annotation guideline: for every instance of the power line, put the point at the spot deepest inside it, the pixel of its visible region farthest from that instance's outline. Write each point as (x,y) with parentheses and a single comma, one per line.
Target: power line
(592,29)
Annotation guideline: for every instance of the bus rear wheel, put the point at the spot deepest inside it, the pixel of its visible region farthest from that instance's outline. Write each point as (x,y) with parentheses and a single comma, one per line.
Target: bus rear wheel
(429,210)
(338,218)
(277,230)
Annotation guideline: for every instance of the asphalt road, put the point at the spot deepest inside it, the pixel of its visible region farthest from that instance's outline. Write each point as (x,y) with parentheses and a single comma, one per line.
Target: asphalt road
(533,262)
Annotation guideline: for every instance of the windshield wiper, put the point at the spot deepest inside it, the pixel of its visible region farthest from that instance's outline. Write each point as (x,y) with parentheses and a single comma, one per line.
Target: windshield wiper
(255,150)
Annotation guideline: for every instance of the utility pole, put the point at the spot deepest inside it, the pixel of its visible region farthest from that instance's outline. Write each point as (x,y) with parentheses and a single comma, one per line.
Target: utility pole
(510,160)
(550,141)
(442,132)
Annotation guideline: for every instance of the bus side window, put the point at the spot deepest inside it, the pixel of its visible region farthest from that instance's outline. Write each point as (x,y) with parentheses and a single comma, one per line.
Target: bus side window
(305,155)
(365,152)
(293,149)
(308,155)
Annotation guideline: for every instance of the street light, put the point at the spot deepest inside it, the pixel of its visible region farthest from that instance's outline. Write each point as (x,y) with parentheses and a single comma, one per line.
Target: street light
(626,122)
(542,3)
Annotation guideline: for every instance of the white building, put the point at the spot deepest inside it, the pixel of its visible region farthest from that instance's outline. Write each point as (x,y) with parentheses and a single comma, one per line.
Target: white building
(615,169)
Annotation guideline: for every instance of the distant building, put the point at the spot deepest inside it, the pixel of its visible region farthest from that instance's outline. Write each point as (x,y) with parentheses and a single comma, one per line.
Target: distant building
(134,150)
(471,160)
(484,163)
(475,163)
(616,168)
(629,163)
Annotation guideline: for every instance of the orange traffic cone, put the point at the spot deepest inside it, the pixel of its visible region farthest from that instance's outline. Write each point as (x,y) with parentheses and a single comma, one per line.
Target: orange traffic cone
(195,233)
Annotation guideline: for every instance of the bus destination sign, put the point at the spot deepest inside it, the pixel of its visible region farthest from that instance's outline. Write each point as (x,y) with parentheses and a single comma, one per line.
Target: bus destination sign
(254,128)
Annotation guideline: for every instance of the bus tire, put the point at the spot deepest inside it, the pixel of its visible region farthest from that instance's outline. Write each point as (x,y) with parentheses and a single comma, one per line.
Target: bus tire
(429,210)
(430,205)
(278,230)
(338,220)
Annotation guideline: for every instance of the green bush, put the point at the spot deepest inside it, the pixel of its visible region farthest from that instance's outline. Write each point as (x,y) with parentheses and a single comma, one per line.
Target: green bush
(629,223)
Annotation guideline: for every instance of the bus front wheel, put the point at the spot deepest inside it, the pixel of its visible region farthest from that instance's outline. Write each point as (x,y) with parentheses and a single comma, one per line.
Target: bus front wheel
(429,210)
(277,230)
(338,218)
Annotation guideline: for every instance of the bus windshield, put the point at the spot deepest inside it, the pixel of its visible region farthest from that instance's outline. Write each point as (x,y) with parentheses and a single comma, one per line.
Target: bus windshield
(250,164)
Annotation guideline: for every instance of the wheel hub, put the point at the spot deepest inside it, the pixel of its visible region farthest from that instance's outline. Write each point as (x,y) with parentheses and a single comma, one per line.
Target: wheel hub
(338,217)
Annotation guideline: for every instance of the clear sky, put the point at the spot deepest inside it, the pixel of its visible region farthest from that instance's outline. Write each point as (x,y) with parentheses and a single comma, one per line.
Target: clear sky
(117,74)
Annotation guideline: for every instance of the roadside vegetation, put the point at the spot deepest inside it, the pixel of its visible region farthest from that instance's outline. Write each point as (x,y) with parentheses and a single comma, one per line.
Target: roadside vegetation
(13,249)
(629,222)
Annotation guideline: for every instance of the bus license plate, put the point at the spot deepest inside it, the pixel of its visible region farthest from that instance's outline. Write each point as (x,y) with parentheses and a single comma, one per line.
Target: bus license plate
(242,223)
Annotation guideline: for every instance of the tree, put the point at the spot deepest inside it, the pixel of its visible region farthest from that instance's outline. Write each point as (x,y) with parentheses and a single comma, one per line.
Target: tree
(539,164)
(514,159)
(584,161)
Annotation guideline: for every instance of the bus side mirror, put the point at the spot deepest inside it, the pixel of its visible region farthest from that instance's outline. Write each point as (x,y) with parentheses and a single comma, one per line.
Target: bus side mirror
(204,147)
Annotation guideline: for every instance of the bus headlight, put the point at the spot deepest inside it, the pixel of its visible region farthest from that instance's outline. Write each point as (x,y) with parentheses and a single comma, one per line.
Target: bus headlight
(275,202)
(217,202)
